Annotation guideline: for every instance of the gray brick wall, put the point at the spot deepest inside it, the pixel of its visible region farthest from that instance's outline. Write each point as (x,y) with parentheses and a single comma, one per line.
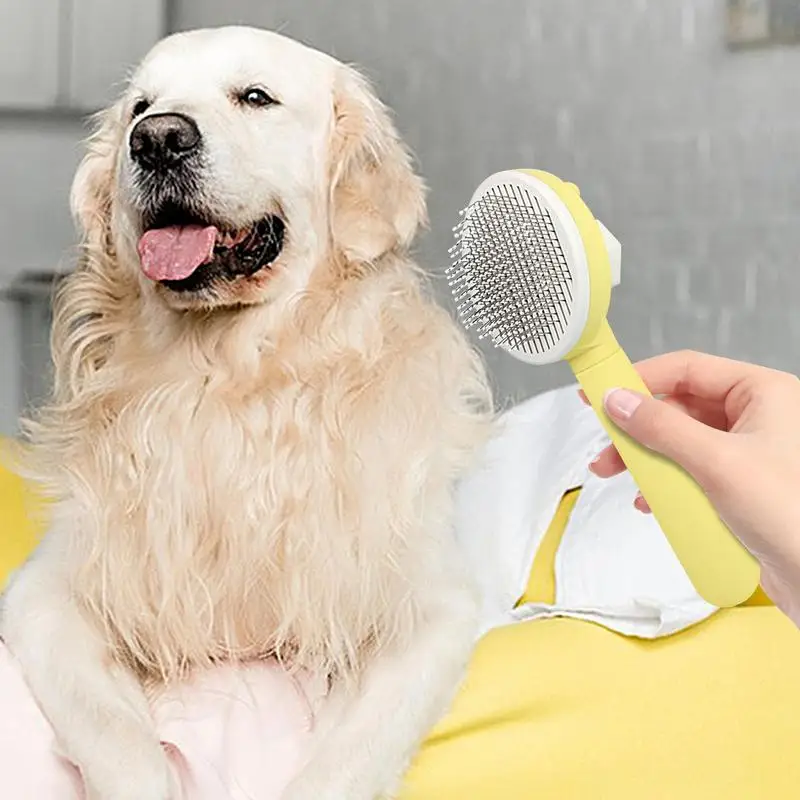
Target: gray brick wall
(690,153)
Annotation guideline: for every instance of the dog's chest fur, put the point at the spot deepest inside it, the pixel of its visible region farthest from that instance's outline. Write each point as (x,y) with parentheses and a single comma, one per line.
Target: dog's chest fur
(299,511)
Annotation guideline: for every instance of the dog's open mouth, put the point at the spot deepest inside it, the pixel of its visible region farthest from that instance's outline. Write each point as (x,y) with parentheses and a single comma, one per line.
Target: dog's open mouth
(188,254)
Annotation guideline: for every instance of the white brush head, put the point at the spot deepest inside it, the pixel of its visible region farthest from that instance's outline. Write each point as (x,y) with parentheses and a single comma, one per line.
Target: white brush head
(519,272)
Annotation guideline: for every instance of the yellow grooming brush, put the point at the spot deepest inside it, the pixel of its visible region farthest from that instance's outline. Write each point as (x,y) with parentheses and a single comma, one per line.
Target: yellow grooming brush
(533,270)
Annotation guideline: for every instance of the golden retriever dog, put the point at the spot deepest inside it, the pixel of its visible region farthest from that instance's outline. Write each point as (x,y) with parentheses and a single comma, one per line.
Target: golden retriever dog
(257,422)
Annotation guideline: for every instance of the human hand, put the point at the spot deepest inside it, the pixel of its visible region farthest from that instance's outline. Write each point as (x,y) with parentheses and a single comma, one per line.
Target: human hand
(735,428)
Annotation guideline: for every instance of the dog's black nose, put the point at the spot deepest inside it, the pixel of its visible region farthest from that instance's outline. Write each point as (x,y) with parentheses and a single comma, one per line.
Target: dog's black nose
(160,141)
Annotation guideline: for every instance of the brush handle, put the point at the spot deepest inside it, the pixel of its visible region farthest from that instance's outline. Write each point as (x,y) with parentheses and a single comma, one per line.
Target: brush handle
(722,570)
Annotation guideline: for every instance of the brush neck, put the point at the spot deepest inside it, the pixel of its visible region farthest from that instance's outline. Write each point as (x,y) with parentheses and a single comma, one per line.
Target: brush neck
(604,345)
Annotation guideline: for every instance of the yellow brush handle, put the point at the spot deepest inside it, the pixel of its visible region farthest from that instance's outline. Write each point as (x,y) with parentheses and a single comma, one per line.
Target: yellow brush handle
(724,573)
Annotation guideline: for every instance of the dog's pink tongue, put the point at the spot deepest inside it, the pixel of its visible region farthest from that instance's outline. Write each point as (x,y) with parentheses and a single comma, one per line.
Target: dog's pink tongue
(172,254)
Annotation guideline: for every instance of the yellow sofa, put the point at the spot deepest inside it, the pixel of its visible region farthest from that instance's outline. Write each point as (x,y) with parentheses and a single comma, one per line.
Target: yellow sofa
(565,710)
(18,532)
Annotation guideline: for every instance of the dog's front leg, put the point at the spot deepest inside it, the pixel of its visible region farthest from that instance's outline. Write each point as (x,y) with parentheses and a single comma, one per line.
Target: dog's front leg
(368,738)
(98,710)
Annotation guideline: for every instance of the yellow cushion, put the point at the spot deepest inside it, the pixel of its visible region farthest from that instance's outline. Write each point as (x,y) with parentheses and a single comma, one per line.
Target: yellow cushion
(564,709)
(18,531)
(541,586)
(568,710)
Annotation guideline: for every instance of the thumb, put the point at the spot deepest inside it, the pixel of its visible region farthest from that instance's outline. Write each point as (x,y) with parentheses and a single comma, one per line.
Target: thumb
(667,430)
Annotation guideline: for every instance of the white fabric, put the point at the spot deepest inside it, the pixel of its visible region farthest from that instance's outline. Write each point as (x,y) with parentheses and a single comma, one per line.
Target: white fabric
(613,566)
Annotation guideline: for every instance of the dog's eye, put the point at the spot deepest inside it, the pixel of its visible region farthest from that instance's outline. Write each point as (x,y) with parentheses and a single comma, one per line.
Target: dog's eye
(140,107)
(256,97)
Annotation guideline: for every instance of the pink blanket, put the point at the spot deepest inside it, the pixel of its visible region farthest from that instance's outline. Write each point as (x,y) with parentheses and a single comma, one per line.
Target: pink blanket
(231,734)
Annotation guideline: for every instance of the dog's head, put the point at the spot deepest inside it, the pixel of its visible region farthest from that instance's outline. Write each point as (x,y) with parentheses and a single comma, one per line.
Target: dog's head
(237,163)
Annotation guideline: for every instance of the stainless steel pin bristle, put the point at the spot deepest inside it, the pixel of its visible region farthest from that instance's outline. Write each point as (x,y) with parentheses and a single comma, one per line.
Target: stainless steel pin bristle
(509,275)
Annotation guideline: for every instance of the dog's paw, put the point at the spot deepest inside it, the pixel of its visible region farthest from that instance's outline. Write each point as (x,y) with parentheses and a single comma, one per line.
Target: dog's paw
(308,790)
(312,786)
(130,788)
(143,777)
(321,784)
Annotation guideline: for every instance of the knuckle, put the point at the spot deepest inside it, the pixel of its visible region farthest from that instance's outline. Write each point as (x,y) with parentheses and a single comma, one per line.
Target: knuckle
(687,354)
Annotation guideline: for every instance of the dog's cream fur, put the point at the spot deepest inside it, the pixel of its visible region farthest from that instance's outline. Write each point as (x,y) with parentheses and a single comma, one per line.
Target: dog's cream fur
(263,470)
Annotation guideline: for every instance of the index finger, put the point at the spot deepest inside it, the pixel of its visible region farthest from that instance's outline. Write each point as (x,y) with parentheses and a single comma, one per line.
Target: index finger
(699,374)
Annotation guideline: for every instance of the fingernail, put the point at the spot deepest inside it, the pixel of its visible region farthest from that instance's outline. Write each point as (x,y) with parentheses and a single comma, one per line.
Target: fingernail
(622,403)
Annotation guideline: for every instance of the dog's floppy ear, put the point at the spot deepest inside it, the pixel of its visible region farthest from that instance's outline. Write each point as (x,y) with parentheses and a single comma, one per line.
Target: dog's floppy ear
(82,334)
(377,201)
(90,197)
